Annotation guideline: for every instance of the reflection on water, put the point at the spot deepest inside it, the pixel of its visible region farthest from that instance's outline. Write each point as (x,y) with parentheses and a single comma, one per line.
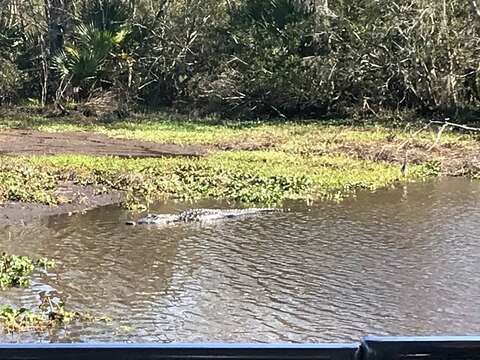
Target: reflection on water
(397,262)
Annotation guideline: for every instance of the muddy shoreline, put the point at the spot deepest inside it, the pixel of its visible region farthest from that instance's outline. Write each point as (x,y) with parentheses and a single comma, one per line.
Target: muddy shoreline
(79,199)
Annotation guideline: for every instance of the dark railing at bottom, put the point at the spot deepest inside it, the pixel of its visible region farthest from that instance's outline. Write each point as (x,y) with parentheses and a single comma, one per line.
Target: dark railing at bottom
(370,348)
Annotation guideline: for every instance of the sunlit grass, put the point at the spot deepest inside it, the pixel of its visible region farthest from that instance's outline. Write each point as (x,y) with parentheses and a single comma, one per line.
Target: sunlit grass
(286,136)
(301,162)
(260,177)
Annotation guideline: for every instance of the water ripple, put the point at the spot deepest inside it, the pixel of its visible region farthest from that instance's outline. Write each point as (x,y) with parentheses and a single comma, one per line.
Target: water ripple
(393,262)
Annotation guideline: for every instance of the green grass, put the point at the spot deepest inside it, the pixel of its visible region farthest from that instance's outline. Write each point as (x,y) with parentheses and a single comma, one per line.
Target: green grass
(255,177)
(301,162)
(286,136)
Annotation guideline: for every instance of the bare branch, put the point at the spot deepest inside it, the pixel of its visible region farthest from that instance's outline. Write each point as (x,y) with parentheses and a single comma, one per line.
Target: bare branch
(447,123)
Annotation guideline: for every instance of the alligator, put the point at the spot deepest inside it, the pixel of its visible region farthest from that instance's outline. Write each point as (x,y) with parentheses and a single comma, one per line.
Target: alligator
(198,215)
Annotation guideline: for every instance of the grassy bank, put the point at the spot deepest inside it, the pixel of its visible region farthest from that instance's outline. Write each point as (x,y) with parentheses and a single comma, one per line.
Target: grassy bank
(285,136)
(258,177)
(254,163)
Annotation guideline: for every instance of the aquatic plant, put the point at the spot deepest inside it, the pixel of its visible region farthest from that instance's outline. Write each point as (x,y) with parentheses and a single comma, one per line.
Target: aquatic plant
(258,177)
(23,183)
(16,271)
(48,316)
(14,320)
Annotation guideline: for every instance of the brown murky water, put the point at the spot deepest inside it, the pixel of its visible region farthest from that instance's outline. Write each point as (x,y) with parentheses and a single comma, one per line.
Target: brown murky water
(396,262)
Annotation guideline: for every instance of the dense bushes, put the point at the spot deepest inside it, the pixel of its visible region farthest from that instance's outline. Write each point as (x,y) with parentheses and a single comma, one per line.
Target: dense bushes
(246,57)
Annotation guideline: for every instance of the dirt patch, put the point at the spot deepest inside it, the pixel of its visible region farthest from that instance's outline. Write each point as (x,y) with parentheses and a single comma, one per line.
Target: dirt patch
(79,199)
(32,142)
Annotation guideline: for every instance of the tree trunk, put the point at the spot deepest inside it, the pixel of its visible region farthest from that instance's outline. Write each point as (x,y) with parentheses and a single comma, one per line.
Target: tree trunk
(58,17)
(57,14)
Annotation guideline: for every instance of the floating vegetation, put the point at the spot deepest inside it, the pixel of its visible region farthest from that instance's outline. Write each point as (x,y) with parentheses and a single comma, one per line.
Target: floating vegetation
(24,183)
(48,316)
(14,320)
(252,177)
(16,271)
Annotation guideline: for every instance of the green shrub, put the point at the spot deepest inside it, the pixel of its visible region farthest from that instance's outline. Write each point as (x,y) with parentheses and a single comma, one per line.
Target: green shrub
(10,81)
(250,57)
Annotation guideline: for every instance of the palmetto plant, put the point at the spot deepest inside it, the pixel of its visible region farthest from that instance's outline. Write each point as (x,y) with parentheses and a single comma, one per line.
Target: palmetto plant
(88,57)
(94,56)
